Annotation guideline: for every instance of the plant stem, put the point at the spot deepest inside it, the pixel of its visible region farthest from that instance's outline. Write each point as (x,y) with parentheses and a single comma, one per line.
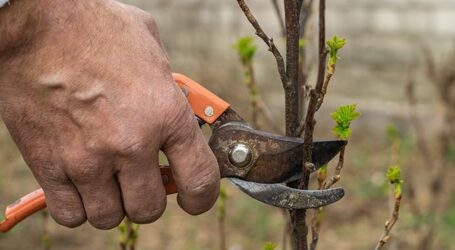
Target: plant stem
(250,83)
(300,229)
(268,41)
(389,224)
(46,240)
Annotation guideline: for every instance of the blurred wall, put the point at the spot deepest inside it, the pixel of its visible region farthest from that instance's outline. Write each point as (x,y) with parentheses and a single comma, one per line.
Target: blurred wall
(385,42)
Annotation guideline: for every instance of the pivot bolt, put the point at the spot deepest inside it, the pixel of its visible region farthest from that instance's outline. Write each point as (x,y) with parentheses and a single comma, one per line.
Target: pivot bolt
(240,155)
(208,111)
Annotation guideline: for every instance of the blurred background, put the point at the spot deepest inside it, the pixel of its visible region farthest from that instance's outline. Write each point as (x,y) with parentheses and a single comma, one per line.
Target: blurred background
(398,66)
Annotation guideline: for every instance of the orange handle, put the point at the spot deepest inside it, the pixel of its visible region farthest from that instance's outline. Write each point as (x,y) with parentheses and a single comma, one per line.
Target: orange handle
(35,201)
(206,105)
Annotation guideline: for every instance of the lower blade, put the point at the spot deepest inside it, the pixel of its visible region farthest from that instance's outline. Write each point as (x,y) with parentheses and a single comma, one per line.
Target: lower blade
(279,195)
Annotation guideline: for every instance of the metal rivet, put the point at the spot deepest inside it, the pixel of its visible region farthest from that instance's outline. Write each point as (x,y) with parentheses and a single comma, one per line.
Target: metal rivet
(208,111)
(240,155)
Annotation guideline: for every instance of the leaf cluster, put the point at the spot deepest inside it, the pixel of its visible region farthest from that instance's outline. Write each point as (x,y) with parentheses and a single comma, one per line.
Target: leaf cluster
(343,117)
(334,45)
(394,177)
(246,48)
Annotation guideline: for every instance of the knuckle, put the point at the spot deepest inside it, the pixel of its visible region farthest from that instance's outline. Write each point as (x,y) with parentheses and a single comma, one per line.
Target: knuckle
(204,185)
(69,218)
(105,219)
(82,166)
(149,214)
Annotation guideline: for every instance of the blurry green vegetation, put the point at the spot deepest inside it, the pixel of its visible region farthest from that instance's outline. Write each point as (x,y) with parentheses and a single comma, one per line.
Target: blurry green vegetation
(269,246)
(128,234)
(254,219)
(394,132)
(448,224)
(302,43)
(221,203)
(221,215)
(245,48)
(450,154)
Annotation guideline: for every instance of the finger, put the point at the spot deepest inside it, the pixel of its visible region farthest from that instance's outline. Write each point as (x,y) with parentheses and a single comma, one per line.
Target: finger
(62,198)
(144,196)
(194,166)
(100,195)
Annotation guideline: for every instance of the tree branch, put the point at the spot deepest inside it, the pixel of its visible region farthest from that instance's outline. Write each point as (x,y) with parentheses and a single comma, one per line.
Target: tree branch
(268,41)
(389,224)
(298,216)
(292,15)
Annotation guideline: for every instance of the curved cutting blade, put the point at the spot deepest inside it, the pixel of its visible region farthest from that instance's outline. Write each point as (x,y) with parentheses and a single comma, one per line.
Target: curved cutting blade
(275,158)
(279,195)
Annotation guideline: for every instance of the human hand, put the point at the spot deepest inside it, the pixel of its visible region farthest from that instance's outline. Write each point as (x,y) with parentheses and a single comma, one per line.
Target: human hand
(87,94)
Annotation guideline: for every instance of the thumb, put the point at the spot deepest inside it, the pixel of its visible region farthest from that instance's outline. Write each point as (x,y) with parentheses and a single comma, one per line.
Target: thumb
(193,164)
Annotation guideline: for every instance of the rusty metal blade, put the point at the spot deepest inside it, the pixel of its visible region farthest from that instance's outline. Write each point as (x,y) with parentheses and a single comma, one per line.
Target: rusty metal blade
(279,195)
(275,158)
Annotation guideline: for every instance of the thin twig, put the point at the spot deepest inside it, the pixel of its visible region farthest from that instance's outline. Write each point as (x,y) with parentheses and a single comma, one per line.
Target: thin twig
(277,9)
(304,68)
(337,176)
(250,82)
(315,93)
(268,41)
(390,223)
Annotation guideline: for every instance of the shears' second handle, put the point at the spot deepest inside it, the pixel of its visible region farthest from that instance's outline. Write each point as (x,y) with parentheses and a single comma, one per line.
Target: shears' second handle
(205,105)
(35,201)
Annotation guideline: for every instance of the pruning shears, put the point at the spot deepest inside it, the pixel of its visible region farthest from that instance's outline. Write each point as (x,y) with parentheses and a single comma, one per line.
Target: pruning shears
(257,162)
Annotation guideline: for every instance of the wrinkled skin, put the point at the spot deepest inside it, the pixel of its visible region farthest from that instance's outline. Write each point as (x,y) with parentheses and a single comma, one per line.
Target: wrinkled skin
(87,94)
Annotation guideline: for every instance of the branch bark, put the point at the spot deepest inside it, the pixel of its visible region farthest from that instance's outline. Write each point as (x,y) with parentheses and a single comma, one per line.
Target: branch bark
(292,15)
(300,229)
(389,224)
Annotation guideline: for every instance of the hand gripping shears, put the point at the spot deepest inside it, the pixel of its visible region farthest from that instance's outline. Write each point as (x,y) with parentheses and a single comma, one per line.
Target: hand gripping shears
(255,161)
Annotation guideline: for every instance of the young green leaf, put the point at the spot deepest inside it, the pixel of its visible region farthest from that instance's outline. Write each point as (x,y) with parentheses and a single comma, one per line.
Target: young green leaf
(394,177)
(334,45)
(394,174)
(245,48)
(343,117)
